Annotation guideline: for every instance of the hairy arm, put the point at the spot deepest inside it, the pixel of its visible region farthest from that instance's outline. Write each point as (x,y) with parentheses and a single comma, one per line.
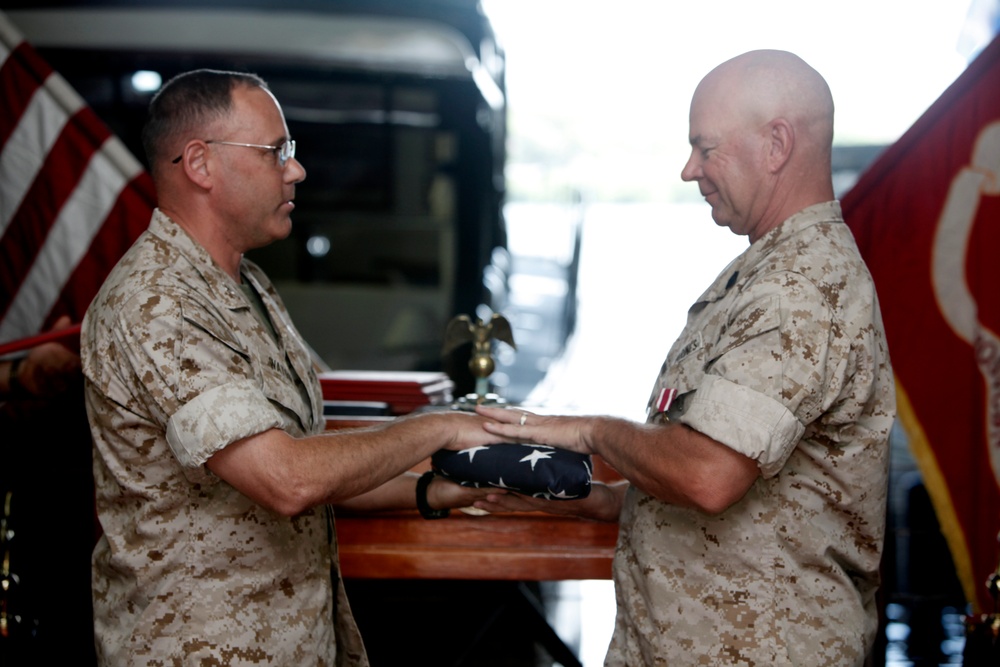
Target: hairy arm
(671,462)
(289,475)
(399,493)
(603,504)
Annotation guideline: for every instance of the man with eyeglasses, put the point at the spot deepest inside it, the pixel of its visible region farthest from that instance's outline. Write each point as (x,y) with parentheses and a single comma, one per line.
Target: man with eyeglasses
(213,478)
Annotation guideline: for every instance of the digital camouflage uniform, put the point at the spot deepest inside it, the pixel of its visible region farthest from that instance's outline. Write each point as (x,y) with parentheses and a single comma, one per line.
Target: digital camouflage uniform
(783,359)
(189,570)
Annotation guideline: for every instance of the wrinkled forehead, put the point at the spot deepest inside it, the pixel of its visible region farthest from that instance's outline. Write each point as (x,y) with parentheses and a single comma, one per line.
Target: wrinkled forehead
(717,109)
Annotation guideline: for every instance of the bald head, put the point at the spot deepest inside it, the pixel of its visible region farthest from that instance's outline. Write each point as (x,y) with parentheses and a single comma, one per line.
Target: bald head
(759,86)
(761,136)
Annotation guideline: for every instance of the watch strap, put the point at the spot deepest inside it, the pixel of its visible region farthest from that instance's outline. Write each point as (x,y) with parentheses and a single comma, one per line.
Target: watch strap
(425,509)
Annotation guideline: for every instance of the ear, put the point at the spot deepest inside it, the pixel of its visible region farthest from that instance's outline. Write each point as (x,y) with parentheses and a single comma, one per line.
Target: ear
(194,161)
(781,142)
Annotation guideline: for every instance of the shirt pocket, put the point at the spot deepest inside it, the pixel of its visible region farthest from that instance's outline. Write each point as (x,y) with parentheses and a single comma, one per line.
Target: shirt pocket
(216,353)
(207,330)
(685,371)
(749,351)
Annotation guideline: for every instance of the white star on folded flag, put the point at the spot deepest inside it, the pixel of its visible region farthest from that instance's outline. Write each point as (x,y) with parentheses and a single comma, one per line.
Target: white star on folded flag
(535,456)
(471,451)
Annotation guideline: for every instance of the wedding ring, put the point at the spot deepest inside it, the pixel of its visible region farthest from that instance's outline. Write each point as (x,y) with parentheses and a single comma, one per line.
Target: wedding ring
(524,418)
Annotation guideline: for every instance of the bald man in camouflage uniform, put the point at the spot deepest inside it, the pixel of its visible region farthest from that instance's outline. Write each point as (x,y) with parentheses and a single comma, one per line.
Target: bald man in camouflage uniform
(213,479)
(753,517)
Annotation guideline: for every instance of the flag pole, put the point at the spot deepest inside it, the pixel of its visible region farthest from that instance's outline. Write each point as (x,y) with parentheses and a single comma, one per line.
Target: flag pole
(61,336)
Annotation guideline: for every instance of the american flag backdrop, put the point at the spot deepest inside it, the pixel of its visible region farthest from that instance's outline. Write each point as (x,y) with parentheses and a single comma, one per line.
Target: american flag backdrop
(72,197)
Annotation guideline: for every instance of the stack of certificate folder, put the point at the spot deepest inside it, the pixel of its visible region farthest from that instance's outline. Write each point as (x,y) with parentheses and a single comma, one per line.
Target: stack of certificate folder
(366,396)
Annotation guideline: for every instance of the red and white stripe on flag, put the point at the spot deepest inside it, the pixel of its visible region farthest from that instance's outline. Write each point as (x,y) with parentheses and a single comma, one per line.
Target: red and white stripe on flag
(72,197)
(927,219)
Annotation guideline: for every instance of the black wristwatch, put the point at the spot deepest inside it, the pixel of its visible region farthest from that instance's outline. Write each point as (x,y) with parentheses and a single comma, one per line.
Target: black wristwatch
(426,510)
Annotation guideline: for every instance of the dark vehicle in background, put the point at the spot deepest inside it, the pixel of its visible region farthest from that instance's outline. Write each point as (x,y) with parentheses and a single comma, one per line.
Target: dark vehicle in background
(398,109)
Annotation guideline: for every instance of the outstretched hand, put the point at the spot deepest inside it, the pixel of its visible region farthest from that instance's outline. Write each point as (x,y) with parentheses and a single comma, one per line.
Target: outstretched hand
(603,504)
(465,429)
(517,425)
(444,493)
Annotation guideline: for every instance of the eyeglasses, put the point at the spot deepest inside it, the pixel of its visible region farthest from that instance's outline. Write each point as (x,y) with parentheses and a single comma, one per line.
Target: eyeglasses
(284,151)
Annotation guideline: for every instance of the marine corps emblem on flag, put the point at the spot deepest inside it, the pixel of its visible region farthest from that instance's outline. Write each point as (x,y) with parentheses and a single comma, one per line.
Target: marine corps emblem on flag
(926,216)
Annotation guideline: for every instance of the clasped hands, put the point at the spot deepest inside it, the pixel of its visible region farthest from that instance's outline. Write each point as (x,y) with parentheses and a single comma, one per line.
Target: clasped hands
(511,424)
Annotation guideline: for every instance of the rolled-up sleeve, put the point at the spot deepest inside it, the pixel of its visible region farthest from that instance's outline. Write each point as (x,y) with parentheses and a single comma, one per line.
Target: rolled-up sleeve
(217,417)
(746,420)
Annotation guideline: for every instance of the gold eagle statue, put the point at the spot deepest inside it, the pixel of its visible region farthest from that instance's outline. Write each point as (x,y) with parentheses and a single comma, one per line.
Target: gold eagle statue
(461,329)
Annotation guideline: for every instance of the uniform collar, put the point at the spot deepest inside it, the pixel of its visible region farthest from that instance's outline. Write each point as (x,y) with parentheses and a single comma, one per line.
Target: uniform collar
(828,211)
(223,288)
(739,268)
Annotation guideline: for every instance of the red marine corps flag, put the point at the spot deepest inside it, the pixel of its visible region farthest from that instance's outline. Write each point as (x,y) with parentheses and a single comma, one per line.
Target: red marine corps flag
(927,219)
(72,198)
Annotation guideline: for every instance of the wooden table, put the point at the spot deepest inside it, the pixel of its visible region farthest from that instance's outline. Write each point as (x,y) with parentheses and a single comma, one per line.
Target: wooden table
(515,547)
(521,547)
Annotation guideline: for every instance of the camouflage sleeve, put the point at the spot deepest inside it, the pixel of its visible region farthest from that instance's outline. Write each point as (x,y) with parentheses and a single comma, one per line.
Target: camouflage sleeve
(742,418)
(217,417)
(771,371)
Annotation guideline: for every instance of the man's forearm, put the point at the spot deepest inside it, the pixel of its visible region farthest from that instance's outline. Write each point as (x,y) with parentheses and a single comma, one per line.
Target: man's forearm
(673,463)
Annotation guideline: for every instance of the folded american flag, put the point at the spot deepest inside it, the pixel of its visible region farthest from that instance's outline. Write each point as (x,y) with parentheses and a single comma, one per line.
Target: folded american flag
(533,470)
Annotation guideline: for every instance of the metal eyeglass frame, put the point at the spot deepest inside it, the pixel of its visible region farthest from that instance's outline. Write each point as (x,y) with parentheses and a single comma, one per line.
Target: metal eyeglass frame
(284,151)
